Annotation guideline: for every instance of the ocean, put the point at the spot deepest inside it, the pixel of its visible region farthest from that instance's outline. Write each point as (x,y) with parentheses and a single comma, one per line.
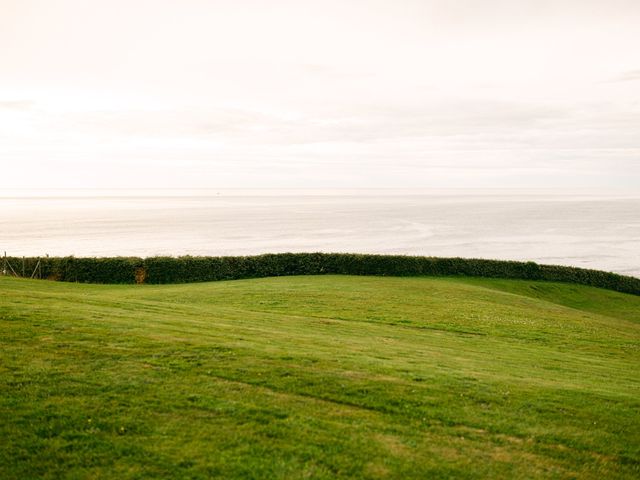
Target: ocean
(583,231)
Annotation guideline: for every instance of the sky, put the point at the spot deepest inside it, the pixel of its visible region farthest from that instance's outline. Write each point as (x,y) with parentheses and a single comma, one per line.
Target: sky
(415,94)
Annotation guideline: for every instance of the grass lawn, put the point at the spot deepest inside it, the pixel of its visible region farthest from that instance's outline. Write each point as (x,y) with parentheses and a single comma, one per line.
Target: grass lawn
(319,377)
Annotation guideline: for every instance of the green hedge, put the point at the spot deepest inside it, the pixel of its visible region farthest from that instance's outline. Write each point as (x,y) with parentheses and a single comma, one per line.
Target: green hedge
(201,269)
(72,269)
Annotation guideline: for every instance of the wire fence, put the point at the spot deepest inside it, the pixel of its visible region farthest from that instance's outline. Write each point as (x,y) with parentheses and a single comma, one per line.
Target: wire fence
(15,268)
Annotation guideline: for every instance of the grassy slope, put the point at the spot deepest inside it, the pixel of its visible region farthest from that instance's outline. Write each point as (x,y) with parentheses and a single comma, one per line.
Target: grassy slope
(319,377)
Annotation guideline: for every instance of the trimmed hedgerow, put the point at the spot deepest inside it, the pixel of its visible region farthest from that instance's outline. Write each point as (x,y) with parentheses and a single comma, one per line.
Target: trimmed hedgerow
(72,269)
(201,269)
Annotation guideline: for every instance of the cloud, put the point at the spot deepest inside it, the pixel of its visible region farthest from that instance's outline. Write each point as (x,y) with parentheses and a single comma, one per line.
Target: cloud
(370,87)
(16,104)
(377,130)
(630,76)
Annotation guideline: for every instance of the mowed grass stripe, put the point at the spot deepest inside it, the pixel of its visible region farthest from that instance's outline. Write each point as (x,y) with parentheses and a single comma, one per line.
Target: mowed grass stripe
(279,326)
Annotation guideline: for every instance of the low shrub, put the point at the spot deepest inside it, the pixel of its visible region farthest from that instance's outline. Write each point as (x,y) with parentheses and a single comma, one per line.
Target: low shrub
(186,269)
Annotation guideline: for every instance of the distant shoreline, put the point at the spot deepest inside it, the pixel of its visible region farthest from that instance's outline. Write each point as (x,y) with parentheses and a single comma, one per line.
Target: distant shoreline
(26,193)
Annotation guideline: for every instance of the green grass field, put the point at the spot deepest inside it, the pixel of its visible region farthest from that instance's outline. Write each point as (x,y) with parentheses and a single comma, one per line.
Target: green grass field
(319,377)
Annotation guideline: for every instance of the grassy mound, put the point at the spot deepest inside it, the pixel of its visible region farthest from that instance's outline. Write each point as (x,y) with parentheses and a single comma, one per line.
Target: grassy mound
(319,377)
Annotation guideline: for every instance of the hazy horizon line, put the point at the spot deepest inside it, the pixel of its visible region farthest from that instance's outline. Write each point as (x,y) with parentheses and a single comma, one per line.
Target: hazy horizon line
(63,192)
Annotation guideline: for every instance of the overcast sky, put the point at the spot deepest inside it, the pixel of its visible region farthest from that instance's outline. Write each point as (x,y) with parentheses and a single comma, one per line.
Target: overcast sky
(296,94)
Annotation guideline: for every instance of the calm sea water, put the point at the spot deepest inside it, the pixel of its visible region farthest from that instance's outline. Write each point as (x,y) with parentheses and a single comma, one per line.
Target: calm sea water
(602,233)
